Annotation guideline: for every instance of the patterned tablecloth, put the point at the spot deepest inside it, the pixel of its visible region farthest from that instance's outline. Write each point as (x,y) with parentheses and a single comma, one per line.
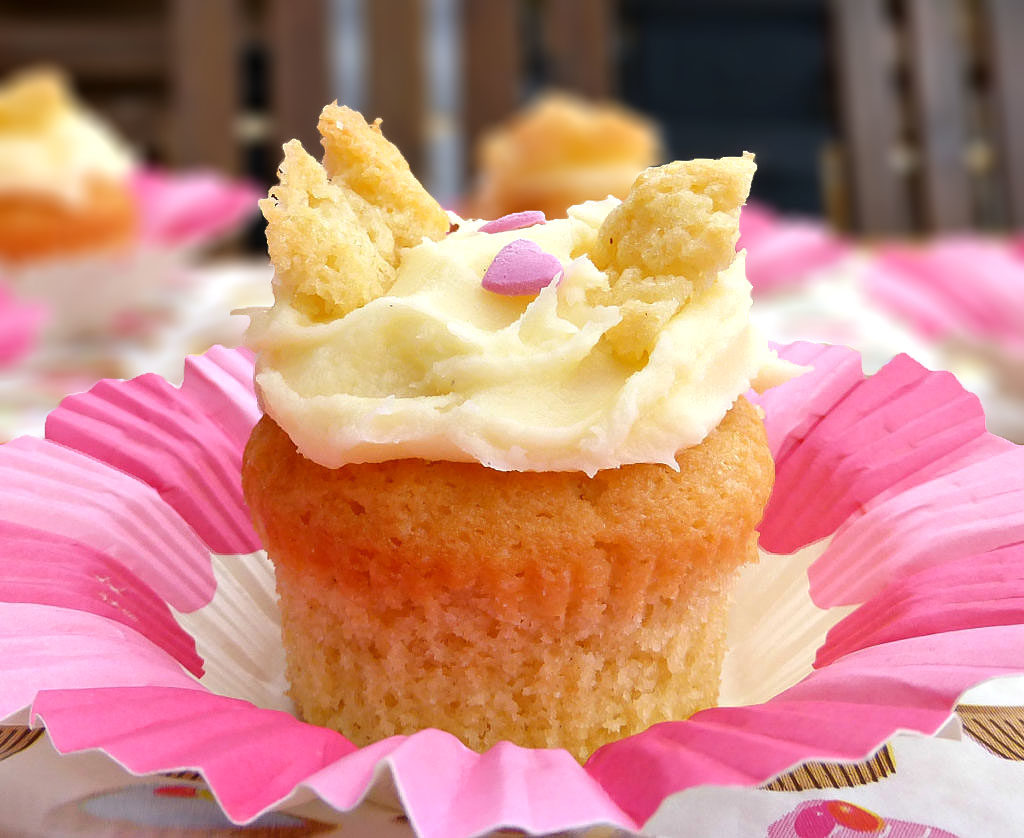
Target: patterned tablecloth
(86,794)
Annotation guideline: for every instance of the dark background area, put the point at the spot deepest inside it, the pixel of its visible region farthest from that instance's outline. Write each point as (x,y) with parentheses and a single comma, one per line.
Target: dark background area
(726,76)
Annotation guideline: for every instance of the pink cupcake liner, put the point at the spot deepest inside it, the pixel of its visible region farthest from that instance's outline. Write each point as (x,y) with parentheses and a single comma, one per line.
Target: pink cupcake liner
(840,712)
(891,427)
(975,509)
(783,252)
(47,647)
(90,582)
(960,595)
(446,788)
(55,490)
(170,439)
(953,286)
(190,208)
(919,502)
(20,324)
(131,724)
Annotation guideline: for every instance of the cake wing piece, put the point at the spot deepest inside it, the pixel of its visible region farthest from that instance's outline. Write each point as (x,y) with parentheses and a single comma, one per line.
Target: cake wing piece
(359,158)
(328,258)
(334,233)
(671,236)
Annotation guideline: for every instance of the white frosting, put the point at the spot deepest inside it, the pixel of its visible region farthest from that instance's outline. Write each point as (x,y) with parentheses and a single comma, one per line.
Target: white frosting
(439,368)
(59,156)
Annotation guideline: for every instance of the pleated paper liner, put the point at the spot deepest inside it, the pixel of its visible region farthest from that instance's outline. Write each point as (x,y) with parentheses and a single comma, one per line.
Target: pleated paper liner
(906,513)
(956,285)
(955,302)
(190,209)
(20,323)
(965,294)
(786,251)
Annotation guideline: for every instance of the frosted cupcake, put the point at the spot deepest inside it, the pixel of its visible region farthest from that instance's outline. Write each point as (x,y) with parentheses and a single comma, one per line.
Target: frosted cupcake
(558,152)
(64,184)
(506,473)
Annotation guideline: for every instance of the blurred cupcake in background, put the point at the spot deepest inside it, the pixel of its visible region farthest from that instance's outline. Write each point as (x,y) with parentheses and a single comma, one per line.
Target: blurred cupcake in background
(559,151)
(64,175)
(104,242)
(102,272)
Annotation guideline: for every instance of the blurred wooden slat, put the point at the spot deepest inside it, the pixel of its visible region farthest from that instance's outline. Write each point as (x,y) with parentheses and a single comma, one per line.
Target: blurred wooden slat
(108,49)
(869,112)
(492,64)
(1004,28)
(397,80)
(938,87)
(205,82)
(578,36)
(835,185)
(297,37)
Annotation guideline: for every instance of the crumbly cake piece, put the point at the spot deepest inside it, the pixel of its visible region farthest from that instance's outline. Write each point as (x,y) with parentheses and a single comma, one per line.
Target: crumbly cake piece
(31,99)
(335,233)
(668,240)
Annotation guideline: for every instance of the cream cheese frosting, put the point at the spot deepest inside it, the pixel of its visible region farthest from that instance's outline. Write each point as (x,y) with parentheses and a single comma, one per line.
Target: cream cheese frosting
(50,145)
(440,368)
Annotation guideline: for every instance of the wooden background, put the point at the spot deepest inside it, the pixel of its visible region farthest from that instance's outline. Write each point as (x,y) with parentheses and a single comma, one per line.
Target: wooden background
(888,116)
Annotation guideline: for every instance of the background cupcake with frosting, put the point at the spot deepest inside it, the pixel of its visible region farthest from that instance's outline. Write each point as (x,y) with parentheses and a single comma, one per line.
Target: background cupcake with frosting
(85,226)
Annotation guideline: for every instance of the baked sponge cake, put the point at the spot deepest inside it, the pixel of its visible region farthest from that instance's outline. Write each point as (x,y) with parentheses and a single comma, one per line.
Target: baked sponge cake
(551,609)
(63,174)
(505,473)
(559,151)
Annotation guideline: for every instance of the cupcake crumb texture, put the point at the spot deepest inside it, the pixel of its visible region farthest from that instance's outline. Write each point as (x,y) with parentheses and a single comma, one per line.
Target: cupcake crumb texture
(546,608)
(668,240)
(335,231)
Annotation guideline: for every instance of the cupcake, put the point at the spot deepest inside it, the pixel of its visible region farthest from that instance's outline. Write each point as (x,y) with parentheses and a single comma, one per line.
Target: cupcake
(64,185)
(506,473)
(558,152)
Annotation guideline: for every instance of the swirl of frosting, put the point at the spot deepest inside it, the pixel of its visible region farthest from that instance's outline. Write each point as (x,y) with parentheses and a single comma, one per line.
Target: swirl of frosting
(627,340)
(439,368)
(50,145)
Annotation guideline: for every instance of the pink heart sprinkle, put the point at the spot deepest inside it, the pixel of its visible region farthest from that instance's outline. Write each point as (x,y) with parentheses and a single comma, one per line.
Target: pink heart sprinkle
(521,267)
(514,221)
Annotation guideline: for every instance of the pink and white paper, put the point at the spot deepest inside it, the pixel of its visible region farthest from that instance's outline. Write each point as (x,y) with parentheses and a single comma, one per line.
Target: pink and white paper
(786,251)
(190,208)
(940,789)
(954,286)
(119,292)
(19,327)
(111,522)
